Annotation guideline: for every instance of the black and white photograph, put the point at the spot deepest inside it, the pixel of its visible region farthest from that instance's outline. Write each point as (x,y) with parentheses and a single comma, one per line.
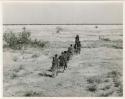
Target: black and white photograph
(62,49)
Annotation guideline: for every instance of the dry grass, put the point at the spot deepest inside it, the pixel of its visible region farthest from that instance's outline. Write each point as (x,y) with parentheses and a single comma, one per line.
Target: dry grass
(97,71)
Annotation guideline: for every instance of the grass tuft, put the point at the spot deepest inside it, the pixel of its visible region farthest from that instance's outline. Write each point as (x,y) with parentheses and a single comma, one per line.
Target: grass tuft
(117,47)
(31,94)
(92,88)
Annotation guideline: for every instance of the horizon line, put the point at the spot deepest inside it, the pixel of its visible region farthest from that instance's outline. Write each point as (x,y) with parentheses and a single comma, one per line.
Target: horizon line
(64,24)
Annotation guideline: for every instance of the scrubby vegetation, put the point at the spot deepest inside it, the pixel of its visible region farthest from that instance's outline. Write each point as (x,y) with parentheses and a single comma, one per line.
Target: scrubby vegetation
(58,29)
(105,39)
(18,40)
(92,88)
(96,26)
(31,94)
(105,85)
(38,43)
(95,72)
(117,47)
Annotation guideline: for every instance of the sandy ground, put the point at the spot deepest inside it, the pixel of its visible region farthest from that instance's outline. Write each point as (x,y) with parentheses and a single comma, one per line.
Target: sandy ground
(96,71)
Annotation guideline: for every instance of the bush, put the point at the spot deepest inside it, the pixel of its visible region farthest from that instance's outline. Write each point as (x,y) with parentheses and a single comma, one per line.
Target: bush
(105,39)
(92,88)
(31,94)
(10,39)
(117,47)
(38,43)
(24,37)
(96,26)
(112,74)
(58,29)
(93,80)
(90,80)
(16,41)
(13,76)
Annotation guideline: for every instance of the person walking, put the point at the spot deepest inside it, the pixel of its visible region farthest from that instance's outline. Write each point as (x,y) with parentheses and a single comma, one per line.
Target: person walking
(70,51)
(55,66)
(79,47)
(65,60)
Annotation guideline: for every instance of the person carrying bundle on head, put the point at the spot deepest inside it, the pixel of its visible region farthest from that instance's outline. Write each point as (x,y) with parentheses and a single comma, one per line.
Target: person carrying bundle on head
(52,64)
(77,44)
(65,59)
(55,66)
(76,38)
(61,60)
(75,48)
(70,51)
(79,47)
(68,55)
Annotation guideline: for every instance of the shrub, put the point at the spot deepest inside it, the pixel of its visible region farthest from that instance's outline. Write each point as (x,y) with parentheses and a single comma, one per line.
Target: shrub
(35,55)
(13,76)
(38,43)
(112,74)
(117,47)
(31,94)
(10,39)
(106,94)
(120,90)
(24,37)
(96,26)
(105,39)
(106,87)
(93,80)
(90,80)
(16,41)
(15,58)
(92,88)
(58,29)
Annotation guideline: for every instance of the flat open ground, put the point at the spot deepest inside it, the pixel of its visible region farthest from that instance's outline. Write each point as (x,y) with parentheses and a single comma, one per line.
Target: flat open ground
(97,71)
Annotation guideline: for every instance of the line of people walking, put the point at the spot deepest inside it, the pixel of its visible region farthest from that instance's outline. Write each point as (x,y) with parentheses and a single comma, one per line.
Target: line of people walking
(60,61)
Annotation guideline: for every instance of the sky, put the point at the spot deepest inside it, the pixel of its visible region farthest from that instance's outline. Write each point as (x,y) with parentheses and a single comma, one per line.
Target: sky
(62,13)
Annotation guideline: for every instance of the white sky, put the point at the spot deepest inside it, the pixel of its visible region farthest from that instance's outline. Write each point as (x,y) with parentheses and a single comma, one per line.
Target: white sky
(62,13)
